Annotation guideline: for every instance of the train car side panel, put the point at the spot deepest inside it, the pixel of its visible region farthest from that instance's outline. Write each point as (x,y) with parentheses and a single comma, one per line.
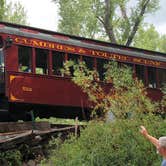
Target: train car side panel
(28,88)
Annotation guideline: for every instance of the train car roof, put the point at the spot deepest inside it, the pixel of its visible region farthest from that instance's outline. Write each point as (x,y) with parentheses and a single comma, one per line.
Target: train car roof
(28,31)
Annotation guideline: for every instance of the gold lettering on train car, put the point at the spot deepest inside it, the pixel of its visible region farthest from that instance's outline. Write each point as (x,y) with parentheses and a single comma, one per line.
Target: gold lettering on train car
(116,56)
(137,60)
(12,78)
(59,47)
(68,48)
(51,45)
(81,51)
(21,40)
(43,44)
(151,62)
(35,43)
(26,41)
(124,58)
(26,89)
(94,53)
(99,53)
(158,63)
(18,40)
(105,54)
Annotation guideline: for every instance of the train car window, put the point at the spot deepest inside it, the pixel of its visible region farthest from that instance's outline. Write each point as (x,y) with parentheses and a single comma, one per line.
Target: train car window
(162,77)
(100,67)
(24,59)
(57,62)
(128,65)
(140,72)
(152,82)
(1,42)
(2,78)
(89,61)
(75,58)
(41,61)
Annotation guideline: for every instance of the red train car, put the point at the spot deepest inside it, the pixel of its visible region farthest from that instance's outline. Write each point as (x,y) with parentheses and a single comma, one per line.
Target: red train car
(30,62)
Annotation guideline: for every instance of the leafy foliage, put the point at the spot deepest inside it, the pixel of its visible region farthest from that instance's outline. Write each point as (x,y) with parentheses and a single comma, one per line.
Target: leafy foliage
(12,12)
(116,143)
(115,20)
(161,106)
(162,43)
(127,97)
(149,38)
(11,158)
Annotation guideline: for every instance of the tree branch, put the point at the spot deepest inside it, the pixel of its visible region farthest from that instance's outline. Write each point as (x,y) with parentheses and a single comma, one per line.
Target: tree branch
(100,19)
(123,11)
(107,21)
(137,23)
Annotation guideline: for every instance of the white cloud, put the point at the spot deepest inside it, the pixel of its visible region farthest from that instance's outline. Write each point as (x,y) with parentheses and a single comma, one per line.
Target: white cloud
(161,28)
(41,13)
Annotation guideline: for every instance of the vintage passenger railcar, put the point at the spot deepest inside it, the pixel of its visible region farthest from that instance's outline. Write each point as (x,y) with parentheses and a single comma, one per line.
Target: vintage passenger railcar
(30,59)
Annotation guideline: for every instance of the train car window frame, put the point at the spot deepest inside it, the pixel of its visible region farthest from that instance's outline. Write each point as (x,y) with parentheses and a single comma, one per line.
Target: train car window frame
(100,67)
(24,59)
(42,58)
(75,58)
(161,77)
(140,73)
(152,77)
(1,42)
(89,61)
(58,59)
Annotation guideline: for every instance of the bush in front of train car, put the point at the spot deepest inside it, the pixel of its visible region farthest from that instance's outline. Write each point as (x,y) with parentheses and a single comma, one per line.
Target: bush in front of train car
(117,142)
(118,92)
(113,143)
(11,158)
(161,106)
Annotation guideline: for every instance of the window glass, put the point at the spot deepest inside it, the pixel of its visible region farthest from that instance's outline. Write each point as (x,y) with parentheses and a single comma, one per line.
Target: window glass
(24,58)
(57,62)
(152,82)
(162,77)
(89,61)
(127,64)
(140,72)
(1,66)
(41,61)
(1,58)
(100,67)
(1,42)
(75,58)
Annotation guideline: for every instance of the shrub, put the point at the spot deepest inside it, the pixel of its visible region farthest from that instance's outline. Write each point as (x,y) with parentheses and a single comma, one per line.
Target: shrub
(11,158)
(116,143)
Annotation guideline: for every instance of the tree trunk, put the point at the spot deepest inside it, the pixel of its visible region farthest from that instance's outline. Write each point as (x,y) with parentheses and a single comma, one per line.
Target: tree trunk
(107,21)
(137,23)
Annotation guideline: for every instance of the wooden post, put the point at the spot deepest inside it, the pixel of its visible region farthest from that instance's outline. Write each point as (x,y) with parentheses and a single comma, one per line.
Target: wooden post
(76,126)
(33,120)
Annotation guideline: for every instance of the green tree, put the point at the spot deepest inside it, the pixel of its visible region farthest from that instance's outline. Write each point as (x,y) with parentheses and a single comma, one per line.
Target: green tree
(162,43)
(117,21)
(2,9)
(147,38)
(12,12)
